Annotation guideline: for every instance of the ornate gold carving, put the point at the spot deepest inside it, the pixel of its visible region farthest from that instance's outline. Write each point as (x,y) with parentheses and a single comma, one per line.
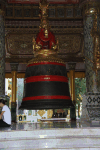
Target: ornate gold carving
(43,5)
(91,11)
(36,47)
(96,39)
(23,45)
(41,112)
(19,44)
(49,113)
(45,52)
(20,36)
(49,58)
(55,46)
(90,7)
(72,43)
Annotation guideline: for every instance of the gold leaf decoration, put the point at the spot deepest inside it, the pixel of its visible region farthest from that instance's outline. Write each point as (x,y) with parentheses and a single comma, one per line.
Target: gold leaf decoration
(41,112)
(49,113)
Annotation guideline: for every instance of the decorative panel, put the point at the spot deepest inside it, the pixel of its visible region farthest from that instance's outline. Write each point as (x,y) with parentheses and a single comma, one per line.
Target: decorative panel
(55,11)
(78,12)
(22,43)
(60,12)
(36,12)
(18,12)
(9,11)
(27,12)
(70,43)
(19,44)
(69,12)
(51,13)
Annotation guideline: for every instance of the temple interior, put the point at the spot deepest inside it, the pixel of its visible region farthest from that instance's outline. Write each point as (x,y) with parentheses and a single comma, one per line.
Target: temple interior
(50,74)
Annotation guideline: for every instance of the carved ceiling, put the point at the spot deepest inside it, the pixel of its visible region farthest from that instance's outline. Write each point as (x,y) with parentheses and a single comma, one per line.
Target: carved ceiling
(50,1)
(31,11)
(22,23)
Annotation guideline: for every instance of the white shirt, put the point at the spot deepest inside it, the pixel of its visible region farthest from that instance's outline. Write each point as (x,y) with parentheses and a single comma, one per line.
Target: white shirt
(7,114)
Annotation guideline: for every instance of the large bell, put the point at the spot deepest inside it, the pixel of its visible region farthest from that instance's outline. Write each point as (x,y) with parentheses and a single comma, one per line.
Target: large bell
(46,83)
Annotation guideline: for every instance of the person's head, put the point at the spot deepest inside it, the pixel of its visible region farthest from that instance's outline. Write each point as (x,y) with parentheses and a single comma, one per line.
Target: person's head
(2,102)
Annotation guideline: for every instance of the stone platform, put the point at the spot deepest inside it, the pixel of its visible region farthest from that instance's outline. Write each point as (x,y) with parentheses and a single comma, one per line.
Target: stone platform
(54,136)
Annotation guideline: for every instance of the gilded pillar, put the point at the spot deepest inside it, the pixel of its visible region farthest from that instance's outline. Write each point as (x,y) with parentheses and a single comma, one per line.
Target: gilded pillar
(72,88)
(91,43)
(91,18)
(14,68)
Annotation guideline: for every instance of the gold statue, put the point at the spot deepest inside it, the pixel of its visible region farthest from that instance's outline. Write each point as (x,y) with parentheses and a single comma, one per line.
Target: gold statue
(45,40)
(55,46)
(36,47)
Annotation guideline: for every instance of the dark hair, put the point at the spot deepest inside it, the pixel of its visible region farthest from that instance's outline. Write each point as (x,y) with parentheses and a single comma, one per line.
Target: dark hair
(2,101)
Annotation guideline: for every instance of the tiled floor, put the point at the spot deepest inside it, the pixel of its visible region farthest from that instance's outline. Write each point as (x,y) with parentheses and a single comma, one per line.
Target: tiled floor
(51,125)
(54,135)
(42,125)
